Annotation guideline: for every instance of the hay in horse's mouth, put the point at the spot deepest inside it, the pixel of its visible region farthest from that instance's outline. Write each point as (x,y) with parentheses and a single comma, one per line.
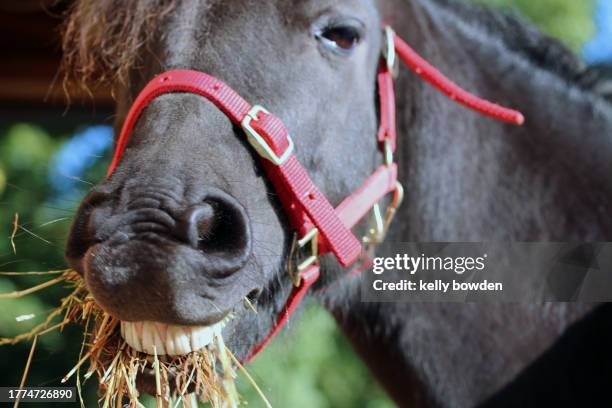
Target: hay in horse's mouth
(167,339)
(182,362)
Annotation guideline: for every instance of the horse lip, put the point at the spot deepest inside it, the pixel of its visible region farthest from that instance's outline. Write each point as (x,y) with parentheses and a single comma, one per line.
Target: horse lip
(166,339)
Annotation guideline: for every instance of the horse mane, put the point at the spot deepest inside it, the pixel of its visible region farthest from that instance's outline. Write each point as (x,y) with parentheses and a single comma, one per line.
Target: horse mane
(541,50)
(102,39)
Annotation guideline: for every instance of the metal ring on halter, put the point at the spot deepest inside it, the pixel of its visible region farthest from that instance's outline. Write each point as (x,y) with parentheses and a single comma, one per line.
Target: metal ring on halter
(388,50)
(377,233)
(388,152)
(312,238)
(398,197)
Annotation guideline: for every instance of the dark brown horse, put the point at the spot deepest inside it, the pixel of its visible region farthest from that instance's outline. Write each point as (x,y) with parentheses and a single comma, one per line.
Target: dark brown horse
(313,64)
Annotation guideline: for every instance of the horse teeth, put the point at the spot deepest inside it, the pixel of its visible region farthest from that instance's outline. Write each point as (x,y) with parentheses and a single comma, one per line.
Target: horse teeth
(170,343)
(148,339)
(201,336)
(181,343)
(167,339)
(130,336)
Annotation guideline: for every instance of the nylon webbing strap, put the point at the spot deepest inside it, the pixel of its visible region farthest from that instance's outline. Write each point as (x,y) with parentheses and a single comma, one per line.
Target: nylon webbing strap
(290,175)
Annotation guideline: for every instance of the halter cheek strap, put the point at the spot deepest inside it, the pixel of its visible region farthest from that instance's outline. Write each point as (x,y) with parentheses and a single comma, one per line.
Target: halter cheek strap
(322,228)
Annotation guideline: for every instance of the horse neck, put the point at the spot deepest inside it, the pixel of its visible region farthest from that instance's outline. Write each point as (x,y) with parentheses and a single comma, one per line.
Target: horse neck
(470,178)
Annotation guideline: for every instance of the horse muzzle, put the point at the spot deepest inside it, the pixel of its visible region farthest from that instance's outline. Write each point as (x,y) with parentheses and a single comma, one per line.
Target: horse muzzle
(172,262)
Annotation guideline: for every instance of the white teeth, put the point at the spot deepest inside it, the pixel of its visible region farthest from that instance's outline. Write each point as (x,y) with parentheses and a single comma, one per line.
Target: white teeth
(129,334)
(181,341)
(168,339)
(202,336)
(148,339)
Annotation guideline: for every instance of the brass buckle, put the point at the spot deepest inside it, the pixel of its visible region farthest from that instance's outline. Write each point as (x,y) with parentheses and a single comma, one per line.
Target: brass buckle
(259,143)
(311,237)
(389,52)
(378,231)
(388,153)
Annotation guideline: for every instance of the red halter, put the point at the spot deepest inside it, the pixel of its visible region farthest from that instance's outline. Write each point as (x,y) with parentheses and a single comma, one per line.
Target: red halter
(311,215)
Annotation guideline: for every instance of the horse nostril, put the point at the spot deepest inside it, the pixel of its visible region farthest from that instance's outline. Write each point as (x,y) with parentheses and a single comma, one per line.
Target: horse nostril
(220,228)
(196,223)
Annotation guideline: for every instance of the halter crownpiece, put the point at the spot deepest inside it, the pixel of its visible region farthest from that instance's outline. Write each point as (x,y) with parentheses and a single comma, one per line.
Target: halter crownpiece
(322,227)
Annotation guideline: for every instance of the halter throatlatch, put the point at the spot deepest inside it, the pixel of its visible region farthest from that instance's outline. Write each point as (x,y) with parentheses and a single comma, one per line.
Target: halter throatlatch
(321,227)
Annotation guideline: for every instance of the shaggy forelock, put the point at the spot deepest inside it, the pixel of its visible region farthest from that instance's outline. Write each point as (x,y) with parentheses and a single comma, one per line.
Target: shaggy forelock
(103,39)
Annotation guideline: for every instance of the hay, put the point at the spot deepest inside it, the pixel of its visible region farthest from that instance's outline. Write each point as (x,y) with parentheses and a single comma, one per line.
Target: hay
(22,293)
(12,237)
(117,365)
(26,370)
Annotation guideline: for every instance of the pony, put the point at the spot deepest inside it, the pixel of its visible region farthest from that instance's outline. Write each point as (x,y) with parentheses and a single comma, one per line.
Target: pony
(188,225)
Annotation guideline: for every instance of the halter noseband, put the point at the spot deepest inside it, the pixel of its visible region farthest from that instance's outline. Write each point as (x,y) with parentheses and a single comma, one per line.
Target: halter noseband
(322,227)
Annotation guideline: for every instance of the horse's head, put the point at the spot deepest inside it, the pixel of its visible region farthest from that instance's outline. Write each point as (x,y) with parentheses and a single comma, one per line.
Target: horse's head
(188,225)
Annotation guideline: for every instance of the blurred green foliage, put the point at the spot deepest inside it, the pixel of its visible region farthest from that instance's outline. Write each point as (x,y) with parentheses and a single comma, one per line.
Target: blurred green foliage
(311,365)
(25,151)
(314,366)
(569,20)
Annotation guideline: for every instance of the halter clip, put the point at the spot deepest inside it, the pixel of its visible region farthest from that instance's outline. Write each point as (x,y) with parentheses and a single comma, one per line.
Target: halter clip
(311,237)
(376,234)
(389,52)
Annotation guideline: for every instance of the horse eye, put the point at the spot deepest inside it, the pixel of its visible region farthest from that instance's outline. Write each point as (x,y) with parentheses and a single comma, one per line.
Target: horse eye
(343,38)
